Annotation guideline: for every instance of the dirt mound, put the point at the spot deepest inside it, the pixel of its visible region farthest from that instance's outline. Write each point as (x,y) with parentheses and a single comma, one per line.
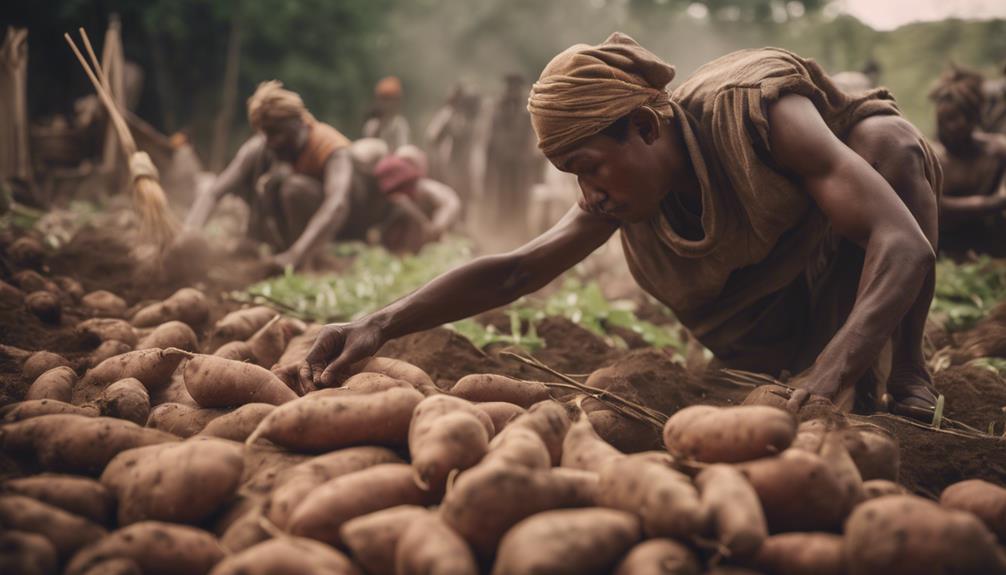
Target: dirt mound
(974,395)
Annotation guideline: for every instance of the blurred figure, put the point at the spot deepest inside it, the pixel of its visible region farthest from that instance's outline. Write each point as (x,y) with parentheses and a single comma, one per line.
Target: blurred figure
(512,165)
(450,139)
(973,165)
(858,82)
(387,122)
(994,114)
(294,174)
(423,208)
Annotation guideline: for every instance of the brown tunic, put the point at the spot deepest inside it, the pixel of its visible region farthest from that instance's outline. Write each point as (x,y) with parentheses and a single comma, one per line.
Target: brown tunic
(748,290)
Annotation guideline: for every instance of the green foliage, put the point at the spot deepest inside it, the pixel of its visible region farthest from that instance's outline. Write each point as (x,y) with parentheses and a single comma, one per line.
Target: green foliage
(966,292)
(376,278)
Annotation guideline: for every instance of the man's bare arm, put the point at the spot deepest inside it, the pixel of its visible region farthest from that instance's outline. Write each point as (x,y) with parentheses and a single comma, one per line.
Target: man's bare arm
(333,210)
(983,203)
(863,208)
(447,206)
(238,173)
(483,284)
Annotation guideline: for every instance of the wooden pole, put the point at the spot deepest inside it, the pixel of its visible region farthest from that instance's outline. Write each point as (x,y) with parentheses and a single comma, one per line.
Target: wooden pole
(222,125)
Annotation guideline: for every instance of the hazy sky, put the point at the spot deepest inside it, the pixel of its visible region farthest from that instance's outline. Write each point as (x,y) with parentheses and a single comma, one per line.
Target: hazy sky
(887,14)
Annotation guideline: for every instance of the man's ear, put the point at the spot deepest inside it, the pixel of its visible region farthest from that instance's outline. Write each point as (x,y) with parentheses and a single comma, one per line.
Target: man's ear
(646,122)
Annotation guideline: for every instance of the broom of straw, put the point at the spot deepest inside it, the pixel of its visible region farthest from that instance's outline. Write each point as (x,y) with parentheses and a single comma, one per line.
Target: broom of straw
(149,201)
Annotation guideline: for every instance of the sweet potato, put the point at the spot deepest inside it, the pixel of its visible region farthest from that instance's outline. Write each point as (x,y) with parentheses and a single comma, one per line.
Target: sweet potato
(156,483)
(574,541)
(315,424)
(235,351)
(734,510)
(66,531)
(373,538)
(57,383)
(170,334)
(240,325)
(126,399)
(105,329)
(45,305)
(119,566)
(70,287)
(187,305)
(549,420)
(157,548)
(584,449)
(446,435)
(40,362)
(78,495)
(105,304)
(245,532)
(368,382)
(268,343)
(985,500)
(397,369)
(659,557)
(76,443)
(153,367)
(107,349)
(322,513)
(802,554)
(238,424)
(25,553)
(10,295)
(519,446)
(493,387)
(487,500)
(297,482)
(728,434)
(797,491)
(501,413)
(32,281)
(623,433)
(428,546)
(843,469)
(26,252)
(287,555)
(36,407)
(664,499)
(875,488)
(873,449)
(181,420)
(218,382)
(904,534)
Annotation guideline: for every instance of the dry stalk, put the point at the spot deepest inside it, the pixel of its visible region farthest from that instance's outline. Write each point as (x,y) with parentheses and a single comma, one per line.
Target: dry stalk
(625,406)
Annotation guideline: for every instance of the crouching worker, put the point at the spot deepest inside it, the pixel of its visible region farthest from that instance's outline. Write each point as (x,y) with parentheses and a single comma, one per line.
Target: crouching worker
(790,226)
(974,167)
(294,174)
(423,208)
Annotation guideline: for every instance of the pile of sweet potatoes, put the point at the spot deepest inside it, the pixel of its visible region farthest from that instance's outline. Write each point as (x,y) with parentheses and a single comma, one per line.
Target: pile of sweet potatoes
(184,446)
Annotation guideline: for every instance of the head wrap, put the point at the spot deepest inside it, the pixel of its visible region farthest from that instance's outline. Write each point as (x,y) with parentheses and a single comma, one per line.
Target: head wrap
(586,88)
(962,89)
(413,154)
(397,175)
(389,87)
(271,104)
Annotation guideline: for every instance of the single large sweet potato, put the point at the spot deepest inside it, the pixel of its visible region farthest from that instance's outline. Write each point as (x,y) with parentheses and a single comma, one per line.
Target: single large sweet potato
(57,383)
(78,495)
(429,546)
(729,434)
(187,305)
(584,449)
(181,420)
(219,382)
(126,399)
(373,538)
(446,435)
(153,367)
(293,555)
(157,548)
(493,387)
(238,424)
(659,557)
(986,500)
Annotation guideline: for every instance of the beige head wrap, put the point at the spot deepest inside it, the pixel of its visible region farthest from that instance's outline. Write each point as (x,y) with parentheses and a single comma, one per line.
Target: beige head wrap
(586,88)
(272,104)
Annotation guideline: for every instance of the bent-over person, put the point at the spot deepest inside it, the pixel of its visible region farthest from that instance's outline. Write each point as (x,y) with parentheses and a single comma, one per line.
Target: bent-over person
(788,225)
(294,174)
(974,166)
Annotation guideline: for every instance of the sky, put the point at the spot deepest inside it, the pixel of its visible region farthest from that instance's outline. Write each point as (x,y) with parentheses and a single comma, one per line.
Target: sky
(889,14)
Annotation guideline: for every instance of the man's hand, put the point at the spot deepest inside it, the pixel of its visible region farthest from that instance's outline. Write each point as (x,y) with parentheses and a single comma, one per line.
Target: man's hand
(808,384)
(279,262)
(338,347)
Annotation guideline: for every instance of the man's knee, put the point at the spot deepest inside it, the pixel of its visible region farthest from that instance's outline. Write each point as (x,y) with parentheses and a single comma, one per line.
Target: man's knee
(300,190)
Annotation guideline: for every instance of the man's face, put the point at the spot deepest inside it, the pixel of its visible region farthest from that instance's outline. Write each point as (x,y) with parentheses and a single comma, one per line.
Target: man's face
(954,127)
(625,180)
(285,139)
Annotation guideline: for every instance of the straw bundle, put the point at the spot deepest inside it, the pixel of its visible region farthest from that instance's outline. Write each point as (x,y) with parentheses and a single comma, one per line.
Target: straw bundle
(156,220)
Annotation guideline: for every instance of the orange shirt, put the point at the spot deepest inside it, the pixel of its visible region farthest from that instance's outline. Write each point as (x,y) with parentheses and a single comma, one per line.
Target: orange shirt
(321,143)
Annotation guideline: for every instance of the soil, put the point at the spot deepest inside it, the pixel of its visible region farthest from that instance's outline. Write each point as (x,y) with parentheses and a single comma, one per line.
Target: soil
(100,259)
